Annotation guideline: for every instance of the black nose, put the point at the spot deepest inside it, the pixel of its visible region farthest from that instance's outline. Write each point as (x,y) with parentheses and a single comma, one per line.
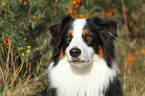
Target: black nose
(75,52)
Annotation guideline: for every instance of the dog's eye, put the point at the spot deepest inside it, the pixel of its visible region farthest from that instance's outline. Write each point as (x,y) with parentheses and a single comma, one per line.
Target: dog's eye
(88,37)
(68,37)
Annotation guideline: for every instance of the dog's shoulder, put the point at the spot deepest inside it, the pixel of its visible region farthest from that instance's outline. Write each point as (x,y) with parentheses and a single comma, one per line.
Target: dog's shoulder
(114,88)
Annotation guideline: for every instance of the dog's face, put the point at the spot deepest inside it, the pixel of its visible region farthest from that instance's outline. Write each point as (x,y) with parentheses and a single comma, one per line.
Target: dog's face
(80,39)
(78,52)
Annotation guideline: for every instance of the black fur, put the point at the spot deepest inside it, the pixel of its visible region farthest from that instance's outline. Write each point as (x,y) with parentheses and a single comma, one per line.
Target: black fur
(114,88)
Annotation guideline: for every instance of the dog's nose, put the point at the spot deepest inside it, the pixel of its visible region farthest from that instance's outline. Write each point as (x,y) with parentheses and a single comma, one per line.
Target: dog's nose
(75,52)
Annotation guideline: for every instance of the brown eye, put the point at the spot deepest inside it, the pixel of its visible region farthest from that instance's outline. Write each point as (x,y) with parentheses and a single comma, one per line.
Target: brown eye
(88,37)
(68,37)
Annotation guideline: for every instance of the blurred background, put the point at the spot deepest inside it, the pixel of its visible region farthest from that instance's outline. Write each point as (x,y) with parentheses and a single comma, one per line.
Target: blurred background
(25,49)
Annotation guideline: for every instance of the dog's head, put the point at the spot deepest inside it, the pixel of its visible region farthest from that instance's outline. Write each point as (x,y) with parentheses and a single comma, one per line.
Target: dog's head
(80,39)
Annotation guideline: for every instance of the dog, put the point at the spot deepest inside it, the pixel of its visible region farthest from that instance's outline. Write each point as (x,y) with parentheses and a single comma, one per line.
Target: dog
(83,60)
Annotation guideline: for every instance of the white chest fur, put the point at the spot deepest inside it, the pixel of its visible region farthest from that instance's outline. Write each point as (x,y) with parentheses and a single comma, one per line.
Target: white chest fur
(89,81)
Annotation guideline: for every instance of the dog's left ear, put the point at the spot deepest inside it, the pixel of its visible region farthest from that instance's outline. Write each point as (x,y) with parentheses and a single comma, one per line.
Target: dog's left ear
(109,25)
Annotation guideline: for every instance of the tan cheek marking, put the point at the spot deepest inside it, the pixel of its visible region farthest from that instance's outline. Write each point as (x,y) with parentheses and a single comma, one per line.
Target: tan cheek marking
(61,54)
(85,32)
(100,54)
(70,32)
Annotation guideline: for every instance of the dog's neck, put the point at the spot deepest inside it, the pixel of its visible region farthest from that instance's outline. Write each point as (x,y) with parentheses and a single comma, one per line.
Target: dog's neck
(91,80)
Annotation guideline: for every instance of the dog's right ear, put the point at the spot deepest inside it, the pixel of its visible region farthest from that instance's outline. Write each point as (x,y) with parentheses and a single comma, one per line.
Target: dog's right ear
(55,33)
(58,30)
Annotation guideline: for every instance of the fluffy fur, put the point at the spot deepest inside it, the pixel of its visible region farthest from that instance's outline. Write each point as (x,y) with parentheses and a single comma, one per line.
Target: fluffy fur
(83,61)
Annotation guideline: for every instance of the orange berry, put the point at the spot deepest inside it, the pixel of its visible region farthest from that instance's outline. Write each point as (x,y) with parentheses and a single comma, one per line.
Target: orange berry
(25,3)
(22,22)
(74,2)
(142,51)
(7,43)
(2,3)
(75,11)
(108,13)
(76,5)
(78,1)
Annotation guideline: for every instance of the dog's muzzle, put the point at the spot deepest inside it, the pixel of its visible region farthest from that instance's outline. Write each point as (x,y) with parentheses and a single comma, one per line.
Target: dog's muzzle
(75,53)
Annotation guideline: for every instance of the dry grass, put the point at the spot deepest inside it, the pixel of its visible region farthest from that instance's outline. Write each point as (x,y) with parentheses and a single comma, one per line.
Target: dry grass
(30,80)
(131,59)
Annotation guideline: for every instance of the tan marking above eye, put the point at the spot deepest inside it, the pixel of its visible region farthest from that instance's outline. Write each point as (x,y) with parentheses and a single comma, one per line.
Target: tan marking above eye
(70,32)
(85,32)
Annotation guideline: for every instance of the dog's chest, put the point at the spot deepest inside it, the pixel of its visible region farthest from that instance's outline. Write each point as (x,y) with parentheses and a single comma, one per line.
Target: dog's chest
(90,81)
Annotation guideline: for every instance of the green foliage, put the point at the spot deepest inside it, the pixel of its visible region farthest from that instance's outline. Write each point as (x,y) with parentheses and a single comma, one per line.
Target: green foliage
(25,23)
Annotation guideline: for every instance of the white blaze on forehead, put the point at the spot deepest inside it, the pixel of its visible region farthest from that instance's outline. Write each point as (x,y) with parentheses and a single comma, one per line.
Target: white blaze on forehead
(78,26)
(78,42)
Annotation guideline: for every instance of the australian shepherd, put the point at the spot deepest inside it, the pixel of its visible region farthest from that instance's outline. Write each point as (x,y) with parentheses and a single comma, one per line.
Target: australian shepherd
(83,61)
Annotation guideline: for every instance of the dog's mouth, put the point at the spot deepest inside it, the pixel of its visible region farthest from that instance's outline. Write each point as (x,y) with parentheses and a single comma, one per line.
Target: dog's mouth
(79,61)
